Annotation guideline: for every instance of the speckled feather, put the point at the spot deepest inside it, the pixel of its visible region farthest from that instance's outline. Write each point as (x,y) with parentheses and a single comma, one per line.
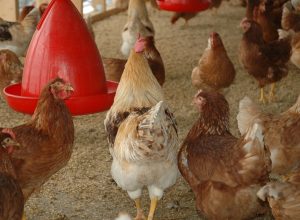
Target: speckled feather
(148,136)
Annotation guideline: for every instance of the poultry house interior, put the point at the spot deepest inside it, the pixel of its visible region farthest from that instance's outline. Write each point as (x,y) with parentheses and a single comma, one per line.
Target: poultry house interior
(85,189)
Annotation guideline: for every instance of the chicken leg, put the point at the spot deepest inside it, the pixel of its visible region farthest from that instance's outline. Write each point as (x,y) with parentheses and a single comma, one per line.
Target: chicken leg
(214,12)
(262,96)
(23,216)
(186,24)
(139,210)
(153,205)
(272,93)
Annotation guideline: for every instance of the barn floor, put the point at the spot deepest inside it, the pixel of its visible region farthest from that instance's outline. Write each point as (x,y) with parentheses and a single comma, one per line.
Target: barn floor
(84,190)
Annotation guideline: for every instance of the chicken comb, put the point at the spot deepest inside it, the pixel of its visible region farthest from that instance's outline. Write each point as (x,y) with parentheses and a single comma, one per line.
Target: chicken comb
(243,20)
(213,34)
(139,44)
(198,93)
(9,131)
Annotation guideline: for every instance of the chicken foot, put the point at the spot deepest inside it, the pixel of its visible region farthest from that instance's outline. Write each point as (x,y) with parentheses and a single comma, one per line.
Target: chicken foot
(23,216)
(139,210)
(262,96)
(272,93)
(186,24)
(214,11)
(153,205)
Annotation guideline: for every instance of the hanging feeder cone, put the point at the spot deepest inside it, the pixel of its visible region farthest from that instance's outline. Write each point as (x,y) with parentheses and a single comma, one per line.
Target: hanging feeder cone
(63,47)
(184,5)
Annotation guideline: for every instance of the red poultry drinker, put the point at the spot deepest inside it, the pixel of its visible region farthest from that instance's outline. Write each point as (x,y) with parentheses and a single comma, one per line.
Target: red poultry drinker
(63,47)
(184,5)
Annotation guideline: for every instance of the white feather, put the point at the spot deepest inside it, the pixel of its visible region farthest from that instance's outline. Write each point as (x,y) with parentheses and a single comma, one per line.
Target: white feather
(123,216)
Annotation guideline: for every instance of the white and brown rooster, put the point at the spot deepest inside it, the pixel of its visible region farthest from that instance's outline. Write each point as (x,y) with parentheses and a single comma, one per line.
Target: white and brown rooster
(142,134)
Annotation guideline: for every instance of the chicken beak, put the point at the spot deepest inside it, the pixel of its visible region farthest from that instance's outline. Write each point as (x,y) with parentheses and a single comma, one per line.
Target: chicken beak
(11,143)
(14,143)
(241,25)
(69,87)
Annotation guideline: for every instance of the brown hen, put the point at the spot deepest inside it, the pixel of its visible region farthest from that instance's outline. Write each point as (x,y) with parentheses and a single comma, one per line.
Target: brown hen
(256,10)
(215,4)
(11,69)
(215,69)
(11,196)
(114,67)
(266,62)
(223,171)
(185,15)
(283,197)
(46,140)
(291,17)
(275,8)
(282,135)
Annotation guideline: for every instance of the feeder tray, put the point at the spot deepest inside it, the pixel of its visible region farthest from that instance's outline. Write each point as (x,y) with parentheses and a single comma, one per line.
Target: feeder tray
(184,5)
(63,47)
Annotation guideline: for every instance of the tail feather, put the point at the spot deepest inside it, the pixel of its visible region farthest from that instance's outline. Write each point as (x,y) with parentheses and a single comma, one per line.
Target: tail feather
(262,194)
(283,34)
(157,123)
(158,129)
(256,163)
(248,112)
(256,132)
(296,107)
(284,199)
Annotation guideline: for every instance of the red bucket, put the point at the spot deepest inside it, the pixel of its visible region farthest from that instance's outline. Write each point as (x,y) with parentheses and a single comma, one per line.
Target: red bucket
(63,47)
(184,5)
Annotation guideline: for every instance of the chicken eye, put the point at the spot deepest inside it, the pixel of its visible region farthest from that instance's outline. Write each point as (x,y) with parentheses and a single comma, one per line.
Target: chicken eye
(6,140)
(149,29)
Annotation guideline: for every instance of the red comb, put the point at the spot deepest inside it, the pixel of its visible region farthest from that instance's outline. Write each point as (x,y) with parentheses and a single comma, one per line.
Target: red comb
(139,44)
(9,131)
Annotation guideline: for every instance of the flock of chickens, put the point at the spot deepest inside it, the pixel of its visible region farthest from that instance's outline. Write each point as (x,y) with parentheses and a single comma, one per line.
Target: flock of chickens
(222,170)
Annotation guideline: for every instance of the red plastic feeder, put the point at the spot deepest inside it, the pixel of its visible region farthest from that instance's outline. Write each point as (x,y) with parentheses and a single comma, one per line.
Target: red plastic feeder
(63,47)
(184,5)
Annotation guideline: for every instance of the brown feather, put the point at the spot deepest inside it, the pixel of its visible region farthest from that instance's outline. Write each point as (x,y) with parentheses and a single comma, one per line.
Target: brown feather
(46,142)
(215,69)
(185,15)
(281,133)
(11,69)
(11,197)
(266,62)
(290,18)
(283,197)
(221,168)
